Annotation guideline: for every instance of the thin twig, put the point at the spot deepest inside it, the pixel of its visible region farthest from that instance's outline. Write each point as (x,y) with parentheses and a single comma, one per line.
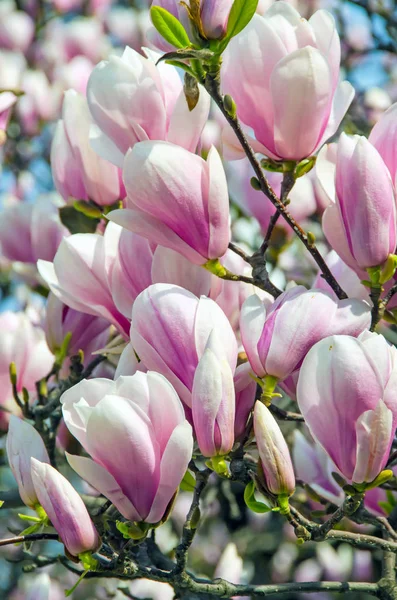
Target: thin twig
(33,537)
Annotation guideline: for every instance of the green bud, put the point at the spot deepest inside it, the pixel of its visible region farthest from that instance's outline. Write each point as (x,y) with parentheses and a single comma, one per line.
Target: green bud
(255,184)
(388,269)
(230,106)
(311,238)
(195,519)
(283,502)
(13,373)
(88,561)
(382,478)
(132,530)
(374,276)
(272,166)
(218,464)
(215,267)
(305,166)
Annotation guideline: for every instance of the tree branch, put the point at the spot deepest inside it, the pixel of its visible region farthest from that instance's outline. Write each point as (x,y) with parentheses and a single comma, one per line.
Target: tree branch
(212,86)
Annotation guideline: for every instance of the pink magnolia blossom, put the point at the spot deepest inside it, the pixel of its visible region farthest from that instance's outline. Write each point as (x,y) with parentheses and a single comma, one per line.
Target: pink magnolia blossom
(29,232)
(347,394)
(213,400)
(25,345)
(273,451)
(41,101)
(363,188)
(88,332)
(79,173)
(176,199)
(132,100)
(135,430)
(383,137)
(79,277)
(245,389)
(277,340)
(170,330)
(283,71)
(64,508)
(23,442)
(16,30)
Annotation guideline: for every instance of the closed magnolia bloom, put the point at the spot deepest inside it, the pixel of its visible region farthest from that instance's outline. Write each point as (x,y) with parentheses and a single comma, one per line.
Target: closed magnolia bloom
(293,66)
(64,508)
(245,390)
(274,455)
(29,232)
(213,400)
(16,30)
(79,173)
(170,330)
(347,393)
(276,340)
(139,441)
(131,100)
(176,199)
(23,443)
(88,332)
(363,188)
(384,137)
(79,278)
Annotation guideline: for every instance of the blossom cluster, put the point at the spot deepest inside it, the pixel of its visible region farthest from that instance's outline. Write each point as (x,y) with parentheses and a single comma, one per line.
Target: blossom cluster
(159,347)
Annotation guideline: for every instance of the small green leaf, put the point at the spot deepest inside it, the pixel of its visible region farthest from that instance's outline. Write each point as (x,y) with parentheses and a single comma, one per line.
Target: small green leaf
(169,27)
(188,483)
(30,518)
(94,212)
(180,65)
(382,478)
(249,499)
(76,221)
(240,15)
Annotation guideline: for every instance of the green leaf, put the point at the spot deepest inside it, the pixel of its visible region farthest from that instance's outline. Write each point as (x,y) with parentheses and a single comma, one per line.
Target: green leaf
(251,502)
(169,27)
(94,212)
(76,221)
(188,483)
(240,15)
